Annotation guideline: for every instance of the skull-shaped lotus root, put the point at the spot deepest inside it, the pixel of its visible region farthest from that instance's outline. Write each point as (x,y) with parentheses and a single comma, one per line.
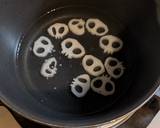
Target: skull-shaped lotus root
(72,48)
(114,67)
(103,85)
(80,85)
(58,30)
(96,27)
(49,67)
(77,26)
(93,65)
(42,47)
(110,44)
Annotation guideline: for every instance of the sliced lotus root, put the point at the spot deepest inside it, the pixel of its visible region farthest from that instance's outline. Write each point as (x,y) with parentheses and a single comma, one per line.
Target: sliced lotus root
(72,48)
(110,44)
(42,47)
(96,27)
(80,85)
(114,67)
(49,67)
(93,65)
(103,85)
(58,30)
(77,26)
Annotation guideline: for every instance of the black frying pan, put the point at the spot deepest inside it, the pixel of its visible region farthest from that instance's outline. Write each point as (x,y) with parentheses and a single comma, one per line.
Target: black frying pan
(25,91)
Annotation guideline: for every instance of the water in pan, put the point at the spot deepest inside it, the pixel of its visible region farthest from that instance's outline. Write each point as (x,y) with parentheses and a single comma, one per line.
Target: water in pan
(55,93)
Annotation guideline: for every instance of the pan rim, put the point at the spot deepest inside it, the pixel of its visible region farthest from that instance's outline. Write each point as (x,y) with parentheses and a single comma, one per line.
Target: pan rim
(100,121)
(97,122)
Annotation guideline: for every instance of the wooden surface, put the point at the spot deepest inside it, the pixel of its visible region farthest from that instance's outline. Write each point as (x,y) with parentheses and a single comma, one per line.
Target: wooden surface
(140,119)
(6,119)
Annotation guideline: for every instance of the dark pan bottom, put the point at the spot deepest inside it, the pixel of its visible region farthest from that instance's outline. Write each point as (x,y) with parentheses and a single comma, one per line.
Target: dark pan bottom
(54,94)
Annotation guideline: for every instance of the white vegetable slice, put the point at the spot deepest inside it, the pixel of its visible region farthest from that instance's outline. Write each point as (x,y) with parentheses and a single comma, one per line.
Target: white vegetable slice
(110,44)
(114,67)
(80,85)
(96,27)
(72,48)
(77,26)
(93,65)
(49,67)
(103,85)
(42,46)
(58,30)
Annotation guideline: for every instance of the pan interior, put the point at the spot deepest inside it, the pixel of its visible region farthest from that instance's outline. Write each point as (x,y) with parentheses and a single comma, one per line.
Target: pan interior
(55,93)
